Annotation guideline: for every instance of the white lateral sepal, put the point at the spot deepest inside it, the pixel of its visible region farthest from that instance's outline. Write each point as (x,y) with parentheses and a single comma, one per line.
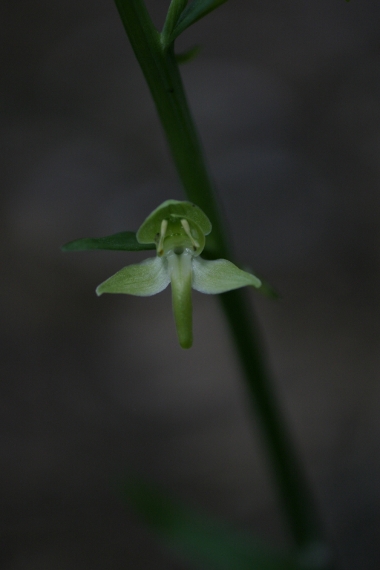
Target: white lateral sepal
(147,278)
(220,276)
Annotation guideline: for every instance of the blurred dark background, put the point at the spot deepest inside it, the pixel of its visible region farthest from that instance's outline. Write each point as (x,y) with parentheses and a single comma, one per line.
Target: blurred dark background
(286,96)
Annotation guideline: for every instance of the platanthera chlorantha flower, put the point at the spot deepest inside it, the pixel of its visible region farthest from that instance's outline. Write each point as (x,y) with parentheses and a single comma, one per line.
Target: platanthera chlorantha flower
(178,229)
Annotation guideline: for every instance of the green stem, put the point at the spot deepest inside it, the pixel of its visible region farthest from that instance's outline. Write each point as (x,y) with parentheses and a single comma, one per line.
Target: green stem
(291,482)
(164,80)
(165,83)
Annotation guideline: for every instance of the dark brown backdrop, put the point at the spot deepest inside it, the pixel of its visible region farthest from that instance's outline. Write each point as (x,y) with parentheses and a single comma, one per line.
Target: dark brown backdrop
(287,99)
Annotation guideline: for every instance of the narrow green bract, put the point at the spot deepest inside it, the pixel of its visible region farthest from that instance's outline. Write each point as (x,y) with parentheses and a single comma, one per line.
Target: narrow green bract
(193,12)
(122,241)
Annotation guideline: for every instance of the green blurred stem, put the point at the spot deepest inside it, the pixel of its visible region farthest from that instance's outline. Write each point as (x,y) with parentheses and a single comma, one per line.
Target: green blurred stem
(162,75)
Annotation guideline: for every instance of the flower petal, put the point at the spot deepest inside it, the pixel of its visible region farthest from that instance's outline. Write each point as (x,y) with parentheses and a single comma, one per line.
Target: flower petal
(219,276)
(147,278)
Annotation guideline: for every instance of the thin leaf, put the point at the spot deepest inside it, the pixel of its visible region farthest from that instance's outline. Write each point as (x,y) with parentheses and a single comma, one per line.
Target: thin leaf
(123,241)
(200,539)
(196,10)
(175,9)
(267,290)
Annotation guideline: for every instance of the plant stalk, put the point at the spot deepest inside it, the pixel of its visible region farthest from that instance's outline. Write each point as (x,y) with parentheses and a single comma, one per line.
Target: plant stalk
(162,75)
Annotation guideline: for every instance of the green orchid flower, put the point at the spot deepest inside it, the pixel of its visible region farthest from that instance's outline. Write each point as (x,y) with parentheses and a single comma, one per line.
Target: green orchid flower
(178,230)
